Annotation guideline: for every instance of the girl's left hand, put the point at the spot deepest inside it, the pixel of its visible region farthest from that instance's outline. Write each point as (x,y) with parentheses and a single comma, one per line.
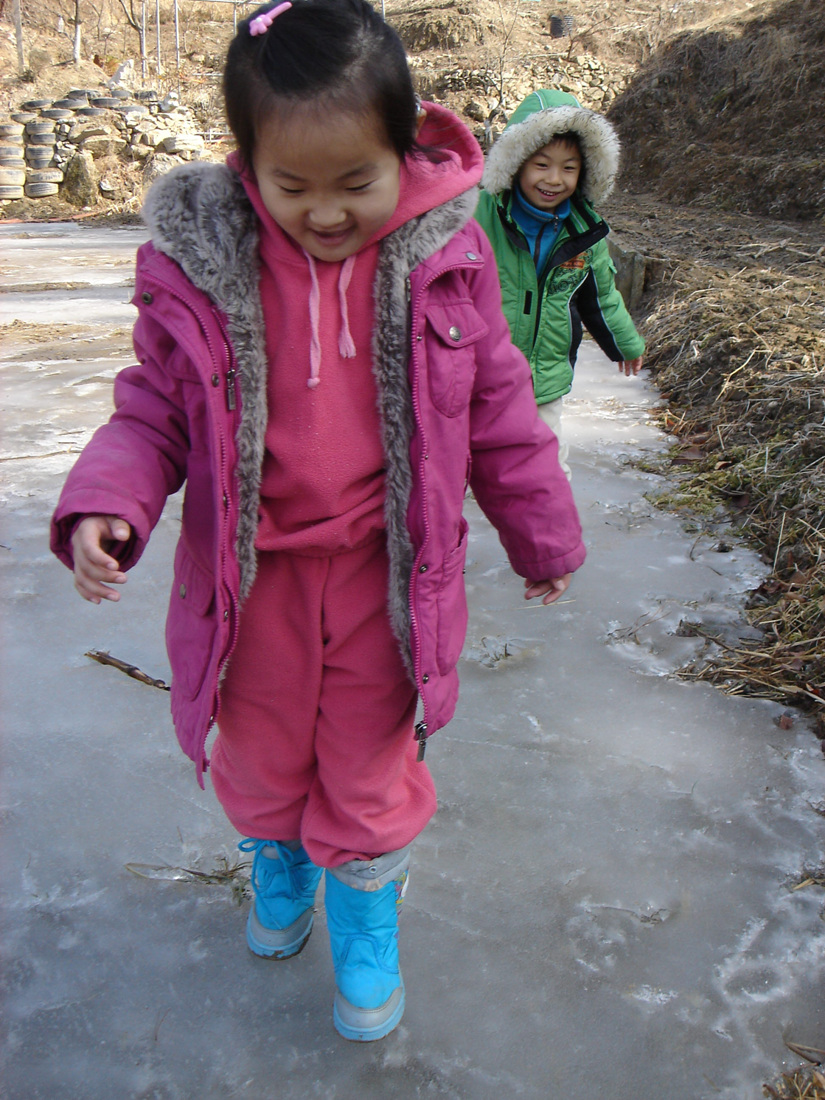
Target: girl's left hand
(551,590)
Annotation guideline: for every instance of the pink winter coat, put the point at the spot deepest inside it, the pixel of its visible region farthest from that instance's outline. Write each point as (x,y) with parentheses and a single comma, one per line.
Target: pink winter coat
(456,405)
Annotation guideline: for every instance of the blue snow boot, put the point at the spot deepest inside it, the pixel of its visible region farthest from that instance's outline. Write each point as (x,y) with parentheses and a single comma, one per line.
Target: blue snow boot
(363,898)
(284,880)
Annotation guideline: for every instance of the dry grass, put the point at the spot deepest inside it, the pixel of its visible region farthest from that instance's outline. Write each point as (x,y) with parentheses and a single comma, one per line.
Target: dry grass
(740,360)
(734,111)
(724,120)
(805,1083)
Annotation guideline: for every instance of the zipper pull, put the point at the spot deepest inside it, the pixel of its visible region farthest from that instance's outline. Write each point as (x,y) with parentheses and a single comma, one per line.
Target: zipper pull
(421,738)
(230,389)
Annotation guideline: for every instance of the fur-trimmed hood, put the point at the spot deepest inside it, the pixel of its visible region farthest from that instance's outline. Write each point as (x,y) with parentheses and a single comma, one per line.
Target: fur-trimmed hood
(541,116)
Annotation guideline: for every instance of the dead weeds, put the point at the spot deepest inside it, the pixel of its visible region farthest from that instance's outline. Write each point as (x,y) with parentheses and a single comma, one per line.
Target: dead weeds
(803,1084)
(737,348)
(733,110)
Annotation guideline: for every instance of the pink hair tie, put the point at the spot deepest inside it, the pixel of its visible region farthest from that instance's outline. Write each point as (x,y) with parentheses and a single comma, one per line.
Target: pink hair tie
(261,23)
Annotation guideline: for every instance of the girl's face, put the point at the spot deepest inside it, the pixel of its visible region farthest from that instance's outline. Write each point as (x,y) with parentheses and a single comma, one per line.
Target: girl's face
(551,175)
(330,182)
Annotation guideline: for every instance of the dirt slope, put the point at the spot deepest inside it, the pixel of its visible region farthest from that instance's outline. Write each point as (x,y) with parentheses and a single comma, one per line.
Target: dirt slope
(732,112)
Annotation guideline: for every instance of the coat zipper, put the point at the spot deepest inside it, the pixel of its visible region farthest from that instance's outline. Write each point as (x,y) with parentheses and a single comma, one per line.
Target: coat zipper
(230,385)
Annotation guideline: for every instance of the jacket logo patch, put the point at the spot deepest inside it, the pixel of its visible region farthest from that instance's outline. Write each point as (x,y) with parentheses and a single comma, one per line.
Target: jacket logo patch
(576,263)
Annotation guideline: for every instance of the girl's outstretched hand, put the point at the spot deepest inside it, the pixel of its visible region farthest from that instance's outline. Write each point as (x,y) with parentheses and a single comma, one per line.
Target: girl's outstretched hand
(551,590)
(631,366)
(92,540)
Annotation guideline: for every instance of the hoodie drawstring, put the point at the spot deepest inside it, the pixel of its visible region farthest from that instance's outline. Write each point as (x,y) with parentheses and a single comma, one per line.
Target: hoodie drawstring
(314,315)
(346,344)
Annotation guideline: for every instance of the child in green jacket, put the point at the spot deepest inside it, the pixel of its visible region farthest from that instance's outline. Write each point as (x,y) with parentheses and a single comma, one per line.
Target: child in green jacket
(553,162)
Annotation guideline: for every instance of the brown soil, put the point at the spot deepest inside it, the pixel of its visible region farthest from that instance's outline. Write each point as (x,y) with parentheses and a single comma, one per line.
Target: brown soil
(732,112)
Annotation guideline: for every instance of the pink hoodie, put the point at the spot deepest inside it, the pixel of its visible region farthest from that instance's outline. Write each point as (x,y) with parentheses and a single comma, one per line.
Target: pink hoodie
(321,390)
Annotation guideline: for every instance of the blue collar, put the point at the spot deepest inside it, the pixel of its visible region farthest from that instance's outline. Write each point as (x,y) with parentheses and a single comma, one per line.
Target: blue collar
(529,217)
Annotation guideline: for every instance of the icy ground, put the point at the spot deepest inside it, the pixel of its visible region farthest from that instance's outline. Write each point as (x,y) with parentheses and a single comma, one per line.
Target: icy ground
(602,906)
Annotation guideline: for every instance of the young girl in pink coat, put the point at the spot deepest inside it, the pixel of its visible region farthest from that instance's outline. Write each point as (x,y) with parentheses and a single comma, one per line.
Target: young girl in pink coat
(322,358)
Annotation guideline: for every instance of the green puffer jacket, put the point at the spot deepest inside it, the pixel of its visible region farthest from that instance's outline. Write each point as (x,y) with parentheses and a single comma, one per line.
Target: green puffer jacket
(578,286)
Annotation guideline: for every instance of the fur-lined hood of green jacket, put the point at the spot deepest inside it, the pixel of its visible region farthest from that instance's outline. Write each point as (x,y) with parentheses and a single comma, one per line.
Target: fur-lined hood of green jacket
(577,287)
(539,118)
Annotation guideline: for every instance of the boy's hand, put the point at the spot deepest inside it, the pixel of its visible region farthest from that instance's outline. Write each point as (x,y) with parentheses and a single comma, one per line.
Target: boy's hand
(631,366)
(551,589)
(93,564)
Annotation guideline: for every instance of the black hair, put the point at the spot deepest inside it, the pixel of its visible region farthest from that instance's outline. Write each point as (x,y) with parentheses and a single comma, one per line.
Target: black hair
(339,52)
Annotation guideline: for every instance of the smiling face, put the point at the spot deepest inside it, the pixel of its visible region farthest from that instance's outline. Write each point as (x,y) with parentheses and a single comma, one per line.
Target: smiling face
(551,175)
(330,181)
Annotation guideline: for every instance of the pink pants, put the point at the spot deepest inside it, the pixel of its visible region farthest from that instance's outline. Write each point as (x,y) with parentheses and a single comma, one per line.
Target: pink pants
(316,726)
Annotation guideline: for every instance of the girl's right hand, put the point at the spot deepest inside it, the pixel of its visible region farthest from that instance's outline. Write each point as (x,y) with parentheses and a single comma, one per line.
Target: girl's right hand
(94,536)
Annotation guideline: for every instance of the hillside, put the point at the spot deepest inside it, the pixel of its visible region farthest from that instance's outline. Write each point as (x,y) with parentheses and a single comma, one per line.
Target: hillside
(732,112)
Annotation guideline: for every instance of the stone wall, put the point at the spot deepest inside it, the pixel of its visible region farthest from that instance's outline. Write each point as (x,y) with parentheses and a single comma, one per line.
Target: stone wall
(488,95)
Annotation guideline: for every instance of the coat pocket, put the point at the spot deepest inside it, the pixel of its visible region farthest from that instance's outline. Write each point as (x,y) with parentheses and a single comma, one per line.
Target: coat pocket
(452,605)
(190,625)
(455,329)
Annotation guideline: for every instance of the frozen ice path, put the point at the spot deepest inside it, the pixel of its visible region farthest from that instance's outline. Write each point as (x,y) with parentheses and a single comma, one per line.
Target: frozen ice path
(601,907)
